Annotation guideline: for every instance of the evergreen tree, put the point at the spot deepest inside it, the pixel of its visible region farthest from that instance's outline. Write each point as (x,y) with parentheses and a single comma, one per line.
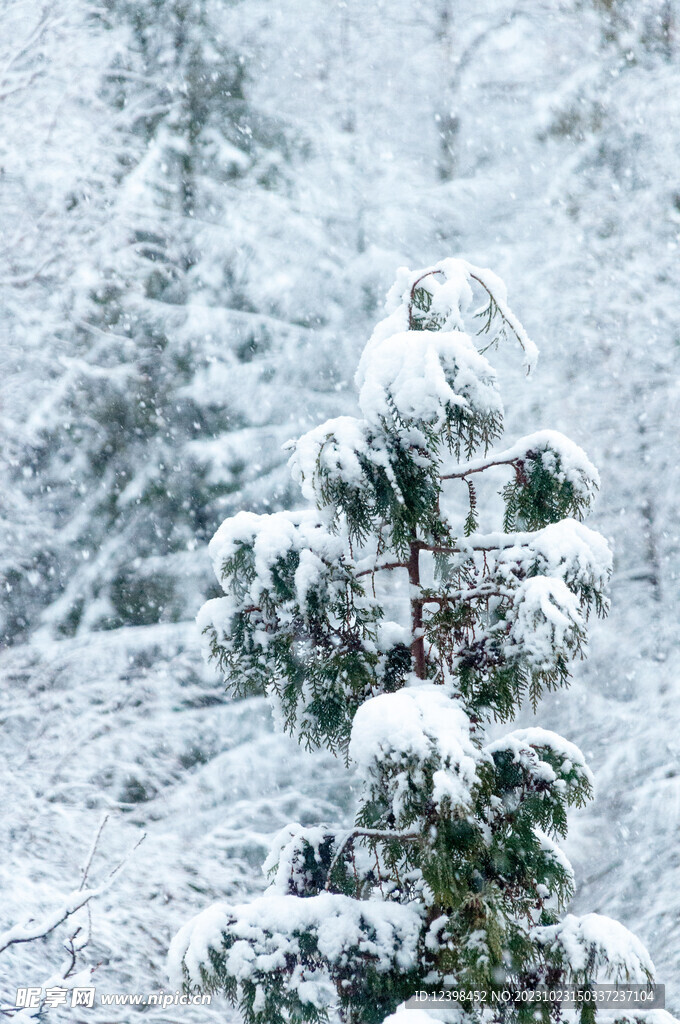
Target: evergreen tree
(57,166)
(452,874)
(162,409)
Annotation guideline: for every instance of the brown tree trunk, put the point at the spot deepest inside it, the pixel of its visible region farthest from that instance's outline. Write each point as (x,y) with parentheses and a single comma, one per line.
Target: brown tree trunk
(418,644)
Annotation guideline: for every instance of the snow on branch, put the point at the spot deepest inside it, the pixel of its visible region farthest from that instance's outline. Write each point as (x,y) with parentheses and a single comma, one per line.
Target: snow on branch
(270,538)
(548,759)
(250,943)
(394,734)
(574,464)
(428,378)
(44,926)
(336,448)
(535,738)
(594,947)
(437,297)
(498,306)
(39,928)
(547,622)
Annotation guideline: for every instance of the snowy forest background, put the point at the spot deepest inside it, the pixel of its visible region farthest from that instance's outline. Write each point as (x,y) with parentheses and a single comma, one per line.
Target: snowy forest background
(202,203)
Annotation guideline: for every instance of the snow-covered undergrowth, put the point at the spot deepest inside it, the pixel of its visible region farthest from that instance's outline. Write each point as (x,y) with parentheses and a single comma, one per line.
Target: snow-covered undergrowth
(131,724)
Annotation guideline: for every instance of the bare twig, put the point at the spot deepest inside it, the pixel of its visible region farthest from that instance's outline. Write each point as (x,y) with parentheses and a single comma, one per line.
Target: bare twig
(39,929)
(95,842)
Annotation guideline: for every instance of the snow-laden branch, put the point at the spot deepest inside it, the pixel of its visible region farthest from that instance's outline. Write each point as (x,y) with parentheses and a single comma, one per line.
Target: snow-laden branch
(481,542)
(574,464)
(80,897)
(478,467)
(498,305)
(44,926)
(466,594)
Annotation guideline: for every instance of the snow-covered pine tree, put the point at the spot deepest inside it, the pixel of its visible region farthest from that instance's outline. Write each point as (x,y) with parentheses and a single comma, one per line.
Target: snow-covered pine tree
(384,625)
(57,168)
(163,392)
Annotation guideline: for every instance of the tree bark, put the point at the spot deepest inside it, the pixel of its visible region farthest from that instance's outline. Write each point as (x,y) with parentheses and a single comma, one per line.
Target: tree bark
(418,643)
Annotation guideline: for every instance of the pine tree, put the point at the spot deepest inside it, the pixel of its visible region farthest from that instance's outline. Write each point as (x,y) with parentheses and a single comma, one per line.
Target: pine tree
(153,425)
(386,626)
(58,164)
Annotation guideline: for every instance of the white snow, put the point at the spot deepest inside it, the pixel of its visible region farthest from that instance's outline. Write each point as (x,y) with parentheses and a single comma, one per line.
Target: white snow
(605,947)
(329,449)
(280,864)
(392,734)
(566,550)
(268,929)
(545,621)
(573,551)
(555,853)
(272,537)
(524,743)
(550,445)
(422,375)
(450,284)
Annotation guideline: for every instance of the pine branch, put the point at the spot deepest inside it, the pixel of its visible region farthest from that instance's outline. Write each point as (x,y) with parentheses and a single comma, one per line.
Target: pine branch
(498,307)
(380,568)
(370,833)
(483,542)
(478,468)
(411,320)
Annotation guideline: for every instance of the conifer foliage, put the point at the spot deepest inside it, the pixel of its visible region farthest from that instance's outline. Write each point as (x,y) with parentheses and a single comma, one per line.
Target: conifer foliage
(150,425)
(384,624)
